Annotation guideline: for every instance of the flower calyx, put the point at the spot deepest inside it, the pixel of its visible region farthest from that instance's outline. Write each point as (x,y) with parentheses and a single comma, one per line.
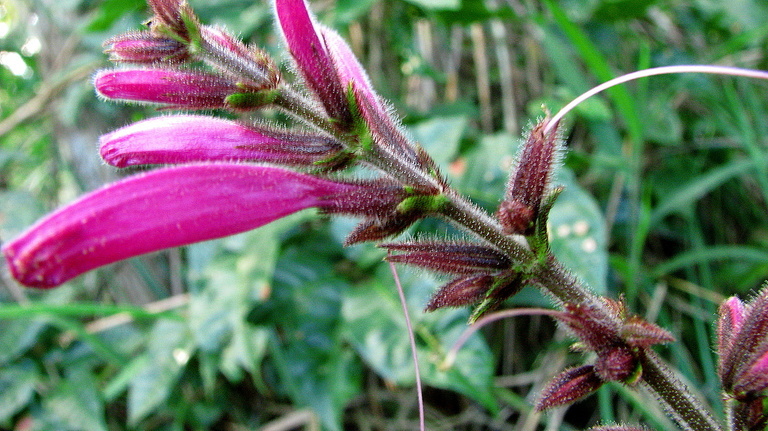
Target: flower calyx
(616,337)
(482,275)
(530,196)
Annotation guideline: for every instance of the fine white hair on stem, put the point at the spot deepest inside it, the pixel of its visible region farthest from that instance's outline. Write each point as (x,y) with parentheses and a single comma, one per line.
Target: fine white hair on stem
(663,70)
(412,340)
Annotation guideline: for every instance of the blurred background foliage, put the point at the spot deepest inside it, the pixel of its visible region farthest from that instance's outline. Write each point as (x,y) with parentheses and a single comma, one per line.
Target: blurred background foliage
(282,328)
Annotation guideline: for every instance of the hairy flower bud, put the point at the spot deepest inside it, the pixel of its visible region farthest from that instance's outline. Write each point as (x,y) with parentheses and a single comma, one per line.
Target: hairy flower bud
(617,364)
(176,139)
(174,18)
(569,386)
(174,88)
(146,48)
(729,322)
(449,257)
(462,291)
(313,61)
(743,346)
(529,183)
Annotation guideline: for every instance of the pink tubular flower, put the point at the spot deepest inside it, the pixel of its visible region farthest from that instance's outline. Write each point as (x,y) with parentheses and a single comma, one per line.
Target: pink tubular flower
(177,89)
(178,139)
(161,209)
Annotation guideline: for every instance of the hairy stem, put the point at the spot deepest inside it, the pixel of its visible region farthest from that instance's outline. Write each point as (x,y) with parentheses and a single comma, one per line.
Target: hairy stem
(554,279)
(674,395)
(549,275)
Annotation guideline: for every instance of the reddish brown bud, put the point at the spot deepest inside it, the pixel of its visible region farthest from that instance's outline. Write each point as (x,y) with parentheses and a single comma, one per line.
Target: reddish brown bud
(374,229)
(639,333)
(595,327)
(617,365)
(462,291)
(569,386)
(449,257)
(379,199)
(530,181)
(516,217)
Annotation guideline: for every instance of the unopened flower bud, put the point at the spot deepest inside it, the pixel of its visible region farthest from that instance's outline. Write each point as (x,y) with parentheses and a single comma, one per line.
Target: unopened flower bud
(729,322)
(176,139)
(529,183)
(146,48)
(618,364)
(174,18)
(569,386)
(458,258)
(177,89)
(743,346)
(466,290)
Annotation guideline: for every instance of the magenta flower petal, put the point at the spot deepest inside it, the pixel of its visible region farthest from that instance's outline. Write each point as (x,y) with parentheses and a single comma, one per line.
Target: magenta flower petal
(312,57)
(348,68)
(161,209)
(179,89)
(178,139)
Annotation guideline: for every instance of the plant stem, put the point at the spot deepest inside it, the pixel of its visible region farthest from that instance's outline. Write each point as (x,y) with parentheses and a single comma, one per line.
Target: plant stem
(553,278)
(549,275)
(674,395)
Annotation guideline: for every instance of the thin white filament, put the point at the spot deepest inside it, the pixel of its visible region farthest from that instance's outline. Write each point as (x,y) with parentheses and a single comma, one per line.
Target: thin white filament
(450,358)
(663,70)
(412,339)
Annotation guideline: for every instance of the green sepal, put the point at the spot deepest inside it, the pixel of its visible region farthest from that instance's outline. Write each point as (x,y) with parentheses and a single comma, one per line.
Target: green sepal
(254,100)
(339,160)
(423,203)
(503,288)
(360,129)
(539,240)
(636,375)
(191,24)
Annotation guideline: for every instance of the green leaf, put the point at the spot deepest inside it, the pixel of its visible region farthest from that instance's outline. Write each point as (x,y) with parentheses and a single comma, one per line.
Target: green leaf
(17,386)
(315,367)
(440,136)
(231,275)
(375,326)
(578,233)
(18,336)
(437,4)
(487,168)
(168,350)
(347,11)
(75,403)
(112,10)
